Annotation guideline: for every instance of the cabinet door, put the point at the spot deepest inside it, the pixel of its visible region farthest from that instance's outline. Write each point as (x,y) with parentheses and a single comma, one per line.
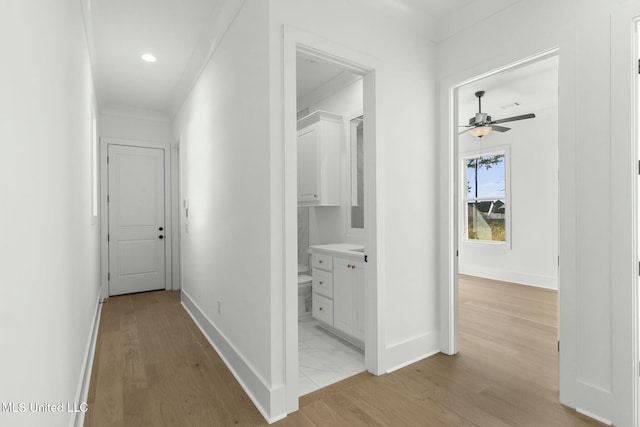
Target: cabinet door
(343,295)
(323,283)
(358,296)
(309,165)
(322,309)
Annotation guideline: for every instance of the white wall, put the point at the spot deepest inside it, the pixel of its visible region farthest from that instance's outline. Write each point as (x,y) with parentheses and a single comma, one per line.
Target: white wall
(49,245)
(223,128)
(406,163)
(531,257)
(596,359)
(134,124)
(231,140)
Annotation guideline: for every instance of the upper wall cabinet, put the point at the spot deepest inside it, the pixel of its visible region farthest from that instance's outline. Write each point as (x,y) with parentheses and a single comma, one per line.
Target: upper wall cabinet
(319,159)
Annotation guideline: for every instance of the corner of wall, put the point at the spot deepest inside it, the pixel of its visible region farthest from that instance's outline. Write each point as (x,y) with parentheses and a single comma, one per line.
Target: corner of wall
(269,400)
(400,355)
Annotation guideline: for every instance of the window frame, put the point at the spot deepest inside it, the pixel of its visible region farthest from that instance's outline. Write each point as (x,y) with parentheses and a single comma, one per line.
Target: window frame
(463,220)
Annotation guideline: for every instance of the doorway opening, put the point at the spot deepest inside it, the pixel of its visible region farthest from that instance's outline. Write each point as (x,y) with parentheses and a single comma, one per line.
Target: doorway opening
(330,222)
(505,193)
(330,206)
(136,217)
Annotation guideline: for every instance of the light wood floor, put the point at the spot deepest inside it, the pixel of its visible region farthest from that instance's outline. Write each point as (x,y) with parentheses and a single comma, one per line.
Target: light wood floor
(153,367)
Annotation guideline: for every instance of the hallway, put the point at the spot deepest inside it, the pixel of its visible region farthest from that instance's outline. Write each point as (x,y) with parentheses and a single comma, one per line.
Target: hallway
(153,367)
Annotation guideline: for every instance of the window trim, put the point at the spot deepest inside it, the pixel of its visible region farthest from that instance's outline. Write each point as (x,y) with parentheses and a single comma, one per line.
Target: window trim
(463,226)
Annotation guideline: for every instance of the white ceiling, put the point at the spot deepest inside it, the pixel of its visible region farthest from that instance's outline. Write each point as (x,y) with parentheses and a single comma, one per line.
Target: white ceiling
(534,87)
(180,34)
(435,8)
(311,73)
(124,29)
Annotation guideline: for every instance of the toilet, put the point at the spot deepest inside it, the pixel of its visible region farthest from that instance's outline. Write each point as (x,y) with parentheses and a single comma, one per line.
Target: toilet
(304,295)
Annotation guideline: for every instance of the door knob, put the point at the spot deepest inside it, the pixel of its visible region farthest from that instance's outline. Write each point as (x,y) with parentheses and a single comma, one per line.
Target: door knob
(161,228)
(161,237)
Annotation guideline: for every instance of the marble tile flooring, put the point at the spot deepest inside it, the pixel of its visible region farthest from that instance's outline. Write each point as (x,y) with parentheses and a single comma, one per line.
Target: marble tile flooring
(324,358)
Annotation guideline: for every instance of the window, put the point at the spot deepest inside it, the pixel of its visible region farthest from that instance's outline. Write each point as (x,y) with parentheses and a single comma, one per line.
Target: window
(486,201)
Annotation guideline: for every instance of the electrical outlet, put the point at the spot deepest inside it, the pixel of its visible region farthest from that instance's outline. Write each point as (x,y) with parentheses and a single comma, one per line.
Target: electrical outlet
(219,307)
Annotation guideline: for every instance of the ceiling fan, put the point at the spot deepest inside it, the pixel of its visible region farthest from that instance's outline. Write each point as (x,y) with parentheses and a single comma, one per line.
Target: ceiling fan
(481,124)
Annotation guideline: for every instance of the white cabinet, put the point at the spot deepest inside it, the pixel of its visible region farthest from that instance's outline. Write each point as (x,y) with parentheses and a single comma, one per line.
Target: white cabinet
(323,283)
(338,295)
(323,309)
(320,159)
(358,303)
(322,287)
(348,297)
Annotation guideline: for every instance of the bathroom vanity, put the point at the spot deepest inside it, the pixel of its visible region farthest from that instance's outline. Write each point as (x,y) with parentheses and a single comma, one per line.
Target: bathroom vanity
(338,289)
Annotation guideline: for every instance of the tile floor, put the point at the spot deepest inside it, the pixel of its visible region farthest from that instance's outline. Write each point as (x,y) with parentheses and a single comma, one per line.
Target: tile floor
(324,358)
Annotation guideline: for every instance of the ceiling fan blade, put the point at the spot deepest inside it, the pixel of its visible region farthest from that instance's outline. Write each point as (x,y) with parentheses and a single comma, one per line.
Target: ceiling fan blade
(499,128)
(466,126)
(514,118)
(465,131)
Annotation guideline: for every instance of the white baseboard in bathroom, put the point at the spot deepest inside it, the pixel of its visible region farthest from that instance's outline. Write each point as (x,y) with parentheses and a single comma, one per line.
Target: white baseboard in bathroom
(351,340)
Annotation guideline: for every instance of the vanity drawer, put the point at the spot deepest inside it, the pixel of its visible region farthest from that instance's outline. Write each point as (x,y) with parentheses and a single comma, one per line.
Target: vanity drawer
(324,262)
(323,283)
(323,309)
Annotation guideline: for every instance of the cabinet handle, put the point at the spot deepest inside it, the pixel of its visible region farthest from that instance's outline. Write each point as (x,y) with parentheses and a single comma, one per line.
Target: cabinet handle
(320,262)
(348,265)
(320,309)
(321,282)
(353,266)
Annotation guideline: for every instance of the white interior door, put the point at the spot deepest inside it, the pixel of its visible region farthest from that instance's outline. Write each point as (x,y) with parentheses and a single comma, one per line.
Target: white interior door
(136,219)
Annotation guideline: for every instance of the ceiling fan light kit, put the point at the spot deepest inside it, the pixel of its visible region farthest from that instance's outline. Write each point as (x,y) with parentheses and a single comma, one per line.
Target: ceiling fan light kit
(480,131)
(481,124)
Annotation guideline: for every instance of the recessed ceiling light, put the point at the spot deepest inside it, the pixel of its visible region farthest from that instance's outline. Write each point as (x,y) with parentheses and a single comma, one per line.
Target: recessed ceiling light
(148,57)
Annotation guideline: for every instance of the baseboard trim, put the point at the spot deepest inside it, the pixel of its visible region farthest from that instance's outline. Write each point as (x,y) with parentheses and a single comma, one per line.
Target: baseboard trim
(405,353)
(267,400)
(539,281)
(77,418)
(351,340)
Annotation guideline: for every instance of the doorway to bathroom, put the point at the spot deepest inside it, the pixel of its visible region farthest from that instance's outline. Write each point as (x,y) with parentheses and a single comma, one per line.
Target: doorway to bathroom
(330,197)
(330,220)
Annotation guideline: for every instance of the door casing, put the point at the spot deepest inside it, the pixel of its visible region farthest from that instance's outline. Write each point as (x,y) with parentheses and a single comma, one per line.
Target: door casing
(449,275)
(295,41)
(104,209)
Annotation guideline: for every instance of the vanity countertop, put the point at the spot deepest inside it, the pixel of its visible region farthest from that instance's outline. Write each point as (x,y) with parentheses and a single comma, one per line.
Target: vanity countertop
(348,249)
